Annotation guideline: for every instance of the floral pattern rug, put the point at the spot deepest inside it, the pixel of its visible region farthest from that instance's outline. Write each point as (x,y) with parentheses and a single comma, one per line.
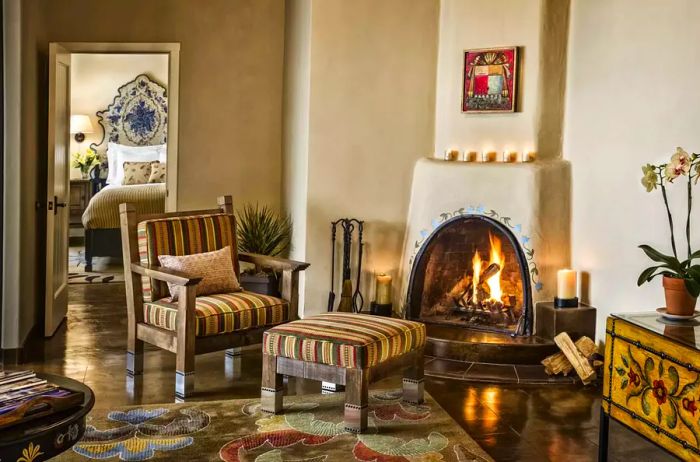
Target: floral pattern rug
(310,429)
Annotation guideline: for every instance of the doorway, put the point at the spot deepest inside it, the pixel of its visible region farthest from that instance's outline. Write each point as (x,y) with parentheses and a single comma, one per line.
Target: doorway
(113,111)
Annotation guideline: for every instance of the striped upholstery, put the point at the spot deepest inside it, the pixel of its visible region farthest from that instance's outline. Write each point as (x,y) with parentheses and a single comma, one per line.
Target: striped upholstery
(344,339)
(182,236)
(222,313)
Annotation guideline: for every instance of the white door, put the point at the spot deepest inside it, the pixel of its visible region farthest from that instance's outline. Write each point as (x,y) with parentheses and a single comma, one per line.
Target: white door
(58,188)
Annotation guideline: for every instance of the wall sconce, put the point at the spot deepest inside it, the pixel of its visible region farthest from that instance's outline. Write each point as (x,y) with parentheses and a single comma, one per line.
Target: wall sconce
(79,126)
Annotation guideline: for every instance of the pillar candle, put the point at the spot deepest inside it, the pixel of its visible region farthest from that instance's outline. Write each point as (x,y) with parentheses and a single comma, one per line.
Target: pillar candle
(566,284)
(530,156)
(471,156)
(491,156)
(383,289)
(510,157)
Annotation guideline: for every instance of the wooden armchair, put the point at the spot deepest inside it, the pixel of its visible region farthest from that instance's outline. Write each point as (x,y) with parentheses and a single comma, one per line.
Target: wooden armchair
(194,325)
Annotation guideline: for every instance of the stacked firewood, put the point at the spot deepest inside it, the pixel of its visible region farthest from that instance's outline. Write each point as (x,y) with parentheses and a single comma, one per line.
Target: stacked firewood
(581,356)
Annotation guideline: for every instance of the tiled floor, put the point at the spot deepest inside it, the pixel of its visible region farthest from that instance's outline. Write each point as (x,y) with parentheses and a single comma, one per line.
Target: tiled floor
(512,423)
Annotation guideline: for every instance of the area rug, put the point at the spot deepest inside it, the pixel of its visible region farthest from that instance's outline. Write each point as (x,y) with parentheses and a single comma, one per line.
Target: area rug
(94,278)
(105,271)
(310,429)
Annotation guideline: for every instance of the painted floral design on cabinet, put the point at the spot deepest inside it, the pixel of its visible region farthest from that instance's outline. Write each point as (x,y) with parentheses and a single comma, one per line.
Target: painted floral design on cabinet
(657,390)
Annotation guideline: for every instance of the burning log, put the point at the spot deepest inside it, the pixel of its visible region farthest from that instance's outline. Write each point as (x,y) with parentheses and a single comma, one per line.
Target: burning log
(490,270)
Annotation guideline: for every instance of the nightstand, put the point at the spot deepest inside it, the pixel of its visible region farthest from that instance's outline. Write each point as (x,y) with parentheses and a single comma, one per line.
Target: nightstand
(80,194)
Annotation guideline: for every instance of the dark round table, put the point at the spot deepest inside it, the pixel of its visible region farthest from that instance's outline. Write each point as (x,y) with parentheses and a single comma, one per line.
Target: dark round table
(47,437)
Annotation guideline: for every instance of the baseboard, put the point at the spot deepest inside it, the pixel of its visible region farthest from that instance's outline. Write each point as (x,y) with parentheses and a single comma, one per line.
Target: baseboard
(16,356)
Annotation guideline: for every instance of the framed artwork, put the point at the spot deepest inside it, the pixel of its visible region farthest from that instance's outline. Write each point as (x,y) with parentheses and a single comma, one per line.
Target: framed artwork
(490,80)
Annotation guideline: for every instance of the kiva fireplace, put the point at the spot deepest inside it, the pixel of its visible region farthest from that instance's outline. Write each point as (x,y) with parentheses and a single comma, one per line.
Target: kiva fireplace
(482,247)
(472,272)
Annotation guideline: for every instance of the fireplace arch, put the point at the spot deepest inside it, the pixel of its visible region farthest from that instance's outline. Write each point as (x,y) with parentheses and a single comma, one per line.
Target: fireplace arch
(472,272)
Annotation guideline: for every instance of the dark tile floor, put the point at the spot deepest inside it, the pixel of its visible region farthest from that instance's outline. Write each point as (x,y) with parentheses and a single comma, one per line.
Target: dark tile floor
(512,423)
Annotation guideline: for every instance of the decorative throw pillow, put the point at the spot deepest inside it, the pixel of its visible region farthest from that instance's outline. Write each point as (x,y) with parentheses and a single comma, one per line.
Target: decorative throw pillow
(157,172)
(136,172)
(215,268)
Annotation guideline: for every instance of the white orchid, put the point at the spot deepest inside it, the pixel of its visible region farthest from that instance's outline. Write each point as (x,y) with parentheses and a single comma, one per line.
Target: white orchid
(679,165)
(650,179)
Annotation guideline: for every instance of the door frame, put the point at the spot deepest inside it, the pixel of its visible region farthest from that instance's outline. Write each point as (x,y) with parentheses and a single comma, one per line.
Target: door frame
(172,49)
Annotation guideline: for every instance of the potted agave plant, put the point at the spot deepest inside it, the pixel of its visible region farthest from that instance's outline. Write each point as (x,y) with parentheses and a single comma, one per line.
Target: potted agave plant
(263,231)
(681,278)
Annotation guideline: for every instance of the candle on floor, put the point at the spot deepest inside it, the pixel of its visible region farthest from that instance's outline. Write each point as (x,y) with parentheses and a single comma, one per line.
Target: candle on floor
(510,157)
(383,289)
(530,156)
(566,284)
(491,156)
(471,156)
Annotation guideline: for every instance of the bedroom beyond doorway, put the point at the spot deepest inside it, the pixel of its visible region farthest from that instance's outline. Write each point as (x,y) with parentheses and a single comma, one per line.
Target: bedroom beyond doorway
(112,140)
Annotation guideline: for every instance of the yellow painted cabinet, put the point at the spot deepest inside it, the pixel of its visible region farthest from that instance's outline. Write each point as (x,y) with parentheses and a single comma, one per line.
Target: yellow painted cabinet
(652,382)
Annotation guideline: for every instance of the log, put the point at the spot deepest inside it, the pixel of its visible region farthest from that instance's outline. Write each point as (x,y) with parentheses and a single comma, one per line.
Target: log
(575,357)
(558,364)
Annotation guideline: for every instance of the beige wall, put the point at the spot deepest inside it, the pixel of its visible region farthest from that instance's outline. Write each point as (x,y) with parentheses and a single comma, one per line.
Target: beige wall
(230,100)
(95,81)
(538,28)
(627,107)
(372,86)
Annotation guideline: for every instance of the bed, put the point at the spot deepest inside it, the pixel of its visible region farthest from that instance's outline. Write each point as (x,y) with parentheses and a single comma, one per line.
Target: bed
(136,123)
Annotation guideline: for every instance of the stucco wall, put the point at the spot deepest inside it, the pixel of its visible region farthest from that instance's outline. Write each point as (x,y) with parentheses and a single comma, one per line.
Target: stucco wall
(626,107)
(538,28)
(372,87)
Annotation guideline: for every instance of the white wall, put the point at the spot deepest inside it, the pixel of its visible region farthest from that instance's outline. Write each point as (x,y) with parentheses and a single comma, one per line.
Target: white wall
(370,117)
(538,28)
(632,97)
(96,78)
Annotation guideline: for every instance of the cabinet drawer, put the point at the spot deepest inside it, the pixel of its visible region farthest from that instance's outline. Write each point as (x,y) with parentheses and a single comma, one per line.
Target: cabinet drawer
(652,385)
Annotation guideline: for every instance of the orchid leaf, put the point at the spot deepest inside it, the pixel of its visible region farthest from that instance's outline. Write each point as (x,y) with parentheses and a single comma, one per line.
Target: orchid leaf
(693,287)
(657,256)
(648,274)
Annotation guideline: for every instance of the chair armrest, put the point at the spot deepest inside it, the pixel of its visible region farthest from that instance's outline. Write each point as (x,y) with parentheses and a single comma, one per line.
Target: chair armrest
(281,264)
(165,274)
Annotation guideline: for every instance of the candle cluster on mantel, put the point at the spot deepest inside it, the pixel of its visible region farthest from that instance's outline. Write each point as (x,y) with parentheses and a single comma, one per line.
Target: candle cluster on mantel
(508,156)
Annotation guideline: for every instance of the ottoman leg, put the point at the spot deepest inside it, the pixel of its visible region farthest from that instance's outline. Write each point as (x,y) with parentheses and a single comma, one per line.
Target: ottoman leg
(356,397)
(413,380)
(271,392)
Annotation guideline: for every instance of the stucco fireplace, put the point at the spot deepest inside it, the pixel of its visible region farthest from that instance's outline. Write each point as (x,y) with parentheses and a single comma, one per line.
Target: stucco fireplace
(482,246)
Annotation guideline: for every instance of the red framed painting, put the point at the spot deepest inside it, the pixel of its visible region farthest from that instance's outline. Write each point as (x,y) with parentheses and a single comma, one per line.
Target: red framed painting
(490,80)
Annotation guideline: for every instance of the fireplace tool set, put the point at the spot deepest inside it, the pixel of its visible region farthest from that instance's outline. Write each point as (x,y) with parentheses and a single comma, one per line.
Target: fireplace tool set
(351,300)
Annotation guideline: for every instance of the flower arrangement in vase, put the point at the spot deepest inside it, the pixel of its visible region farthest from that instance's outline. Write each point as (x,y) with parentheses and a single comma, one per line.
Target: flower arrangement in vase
(84,161)
(681,278)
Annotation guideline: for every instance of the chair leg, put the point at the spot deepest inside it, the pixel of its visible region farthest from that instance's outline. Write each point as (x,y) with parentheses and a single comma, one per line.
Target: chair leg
(356,400)
(271,391)
(184,373)
(134,355)
(233,363)
(413,381)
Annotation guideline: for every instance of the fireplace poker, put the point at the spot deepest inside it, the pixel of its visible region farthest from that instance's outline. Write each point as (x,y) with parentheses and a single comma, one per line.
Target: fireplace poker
(346,293)
(331,294)
(358,295)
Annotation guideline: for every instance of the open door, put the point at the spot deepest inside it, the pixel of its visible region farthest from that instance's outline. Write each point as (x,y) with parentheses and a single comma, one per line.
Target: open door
(58,189)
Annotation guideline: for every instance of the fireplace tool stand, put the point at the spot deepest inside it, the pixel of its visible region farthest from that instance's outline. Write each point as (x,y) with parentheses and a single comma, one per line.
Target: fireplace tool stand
(351,300)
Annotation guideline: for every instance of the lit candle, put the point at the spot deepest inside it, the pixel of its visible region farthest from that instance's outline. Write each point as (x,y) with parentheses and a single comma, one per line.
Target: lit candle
(510,157)
(471,156)
(566,284)
(451,154)
(383,289)
(530,156)
(490,156)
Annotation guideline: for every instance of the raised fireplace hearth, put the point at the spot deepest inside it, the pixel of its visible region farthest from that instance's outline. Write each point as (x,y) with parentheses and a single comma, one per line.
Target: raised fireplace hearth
(483,244)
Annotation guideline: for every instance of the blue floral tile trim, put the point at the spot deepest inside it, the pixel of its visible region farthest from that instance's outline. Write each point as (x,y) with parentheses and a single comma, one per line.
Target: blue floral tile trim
(516,229)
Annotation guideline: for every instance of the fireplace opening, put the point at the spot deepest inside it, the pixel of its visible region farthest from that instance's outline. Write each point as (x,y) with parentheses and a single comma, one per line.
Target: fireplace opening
(472,272)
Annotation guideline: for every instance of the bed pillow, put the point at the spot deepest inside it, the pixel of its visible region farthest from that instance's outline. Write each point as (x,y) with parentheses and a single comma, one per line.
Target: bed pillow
(117,154)
(158,170)
(215,268)
(137,172)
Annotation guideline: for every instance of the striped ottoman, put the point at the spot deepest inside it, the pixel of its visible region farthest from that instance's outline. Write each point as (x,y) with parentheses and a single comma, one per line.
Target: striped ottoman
(347,349)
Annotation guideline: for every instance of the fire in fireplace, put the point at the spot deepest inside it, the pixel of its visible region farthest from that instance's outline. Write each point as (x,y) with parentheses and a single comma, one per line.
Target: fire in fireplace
(472,272)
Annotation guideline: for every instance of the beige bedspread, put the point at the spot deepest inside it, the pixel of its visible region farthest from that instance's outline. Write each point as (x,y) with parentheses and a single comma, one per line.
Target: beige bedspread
(103,209)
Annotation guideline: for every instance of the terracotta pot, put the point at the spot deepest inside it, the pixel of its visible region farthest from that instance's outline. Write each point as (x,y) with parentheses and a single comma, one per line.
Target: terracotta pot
(678,300)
